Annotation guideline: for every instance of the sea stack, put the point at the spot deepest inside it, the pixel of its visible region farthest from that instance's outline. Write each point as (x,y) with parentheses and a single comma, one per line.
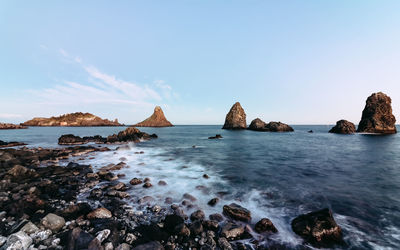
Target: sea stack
(258,125)
(343,127)
(236,118)
(377,115)
(157,119)
(77,119)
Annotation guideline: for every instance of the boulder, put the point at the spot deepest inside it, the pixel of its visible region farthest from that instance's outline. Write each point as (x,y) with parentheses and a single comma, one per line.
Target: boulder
(318,228)
(131,134)
(19,240)
(53,222)
(237,212)
(343,127)
(236,118)
(265,225)
(197,215)
(157,119)
(70,139)
(258,125)
(377,115)
(99,213)
(21,172)
(232,231)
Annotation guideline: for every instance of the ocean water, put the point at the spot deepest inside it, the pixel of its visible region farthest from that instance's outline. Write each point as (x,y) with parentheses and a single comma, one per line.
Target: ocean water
(274,175)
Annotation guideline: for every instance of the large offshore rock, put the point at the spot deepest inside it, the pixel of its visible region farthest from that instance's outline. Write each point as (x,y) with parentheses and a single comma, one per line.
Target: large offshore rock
(343,127)
(259,125)
(157,119)
(236,118)
(377,115)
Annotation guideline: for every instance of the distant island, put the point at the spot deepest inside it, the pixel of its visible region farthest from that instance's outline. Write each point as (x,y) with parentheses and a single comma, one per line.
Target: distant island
(157,119)
(11,126)
(77,119)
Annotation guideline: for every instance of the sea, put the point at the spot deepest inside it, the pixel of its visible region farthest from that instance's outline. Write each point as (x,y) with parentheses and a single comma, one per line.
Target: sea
(275,175)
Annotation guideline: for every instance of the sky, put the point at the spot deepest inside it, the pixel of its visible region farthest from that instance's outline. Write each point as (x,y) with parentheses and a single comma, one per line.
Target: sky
(298,62)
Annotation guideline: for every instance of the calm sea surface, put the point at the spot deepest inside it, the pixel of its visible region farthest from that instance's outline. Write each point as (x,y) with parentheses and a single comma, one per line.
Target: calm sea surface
(275,175)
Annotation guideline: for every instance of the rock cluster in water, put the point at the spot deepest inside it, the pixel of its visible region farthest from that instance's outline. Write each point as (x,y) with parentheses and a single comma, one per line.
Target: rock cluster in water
(131,134)
(236,118)
(157,119)
(11,126)
(77,119)
(4,144)
(343,127)
(259,125)
(377,115)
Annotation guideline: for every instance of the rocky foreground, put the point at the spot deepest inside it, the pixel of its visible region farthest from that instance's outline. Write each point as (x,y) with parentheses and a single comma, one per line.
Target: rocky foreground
(77,119)
(48,206)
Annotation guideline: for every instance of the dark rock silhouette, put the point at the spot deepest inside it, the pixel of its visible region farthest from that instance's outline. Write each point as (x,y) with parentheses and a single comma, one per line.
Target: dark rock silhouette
(377,115)
(217,136)
(258,125)
(11,126)
(157,119)
(318,228)
(343,127)
(4,144)
(77,119)
(236,118)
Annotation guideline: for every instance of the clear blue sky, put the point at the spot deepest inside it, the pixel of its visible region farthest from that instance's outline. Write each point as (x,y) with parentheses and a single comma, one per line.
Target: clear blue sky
(299,62)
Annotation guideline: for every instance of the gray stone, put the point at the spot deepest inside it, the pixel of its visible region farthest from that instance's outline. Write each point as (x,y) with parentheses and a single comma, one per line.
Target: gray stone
(17,241)
(53,222)
(30,228)
(103,235)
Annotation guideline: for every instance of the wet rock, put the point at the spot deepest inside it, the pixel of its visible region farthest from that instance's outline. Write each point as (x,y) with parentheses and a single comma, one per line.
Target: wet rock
(265,225)
(95,245)
(71,139)
(224,244)
(258,125)
(197,215)
(131,134)
(236,118)
(96,193)
(146,199)
(237,212)
(79,239)
(19,240)
(213,201)
(153,245)
(108,246)
(217,136)
(162,183)
(135,181)
(130,238)
(29,228)
(377,115)
(2,240)
(232,231)
(189,197)
(196,228)
(147,185)
(99,213)
(103,235)
(318,228)
(4,144)
(216,217)
(52,222)
(21,172)
(182,230)
(343,127)
(205,176)
(211,225)
(171,221)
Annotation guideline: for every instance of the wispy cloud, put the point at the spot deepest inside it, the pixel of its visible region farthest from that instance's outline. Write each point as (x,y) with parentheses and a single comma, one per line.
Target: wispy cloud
(101,87)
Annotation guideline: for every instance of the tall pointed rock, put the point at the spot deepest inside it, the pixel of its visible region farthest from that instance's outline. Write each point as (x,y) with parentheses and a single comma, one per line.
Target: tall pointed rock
(236,118)
(157,119)
(377,115)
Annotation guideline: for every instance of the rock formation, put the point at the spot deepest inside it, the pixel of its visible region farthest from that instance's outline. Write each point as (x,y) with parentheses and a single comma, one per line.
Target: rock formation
(157,119)
(130,134)
(258,125)
(236,118)
(4,144)
(11,126)
(377,115)
(343,127)
(77,119)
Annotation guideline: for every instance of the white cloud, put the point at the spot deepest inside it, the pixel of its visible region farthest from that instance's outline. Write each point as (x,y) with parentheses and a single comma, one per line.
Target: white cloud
(64,53)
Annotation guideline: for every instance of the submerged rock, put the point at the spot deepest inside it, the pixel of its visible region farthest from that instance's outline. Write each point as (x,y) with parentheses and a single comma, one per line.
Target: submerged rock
(258,125)
(236,118)
(343,127)
(377,115)
(157,119)
(318,228)
(237,212)
(4,144)
(217,136)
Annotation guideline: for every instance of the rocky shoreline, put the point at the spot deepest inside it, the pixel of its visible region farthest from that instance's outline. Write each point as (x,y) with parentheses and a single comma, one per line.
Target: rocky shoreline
(48,203)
